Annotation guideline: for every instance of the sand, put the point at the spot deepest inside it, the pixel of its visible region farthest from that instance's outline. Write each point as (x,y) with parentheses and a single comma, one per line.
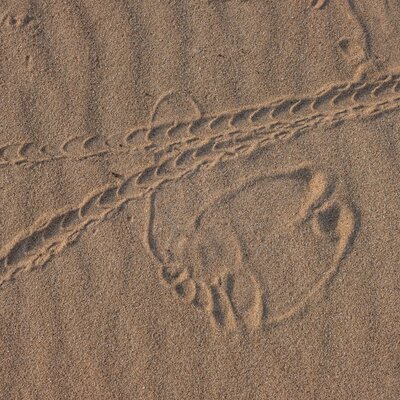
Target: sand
(200,199)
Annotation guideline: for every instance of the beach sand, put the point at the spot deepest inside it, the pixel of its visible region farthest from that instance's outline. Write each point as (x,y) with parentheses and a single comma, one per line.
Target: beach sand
(199,199)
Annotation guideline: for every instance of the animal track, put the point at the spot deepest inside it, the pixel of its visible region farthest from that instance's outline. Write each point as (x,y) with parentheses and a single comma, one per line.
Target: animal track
(171,166)
(234,299)
(51,234)
(318,4)
(16,21)
(213,272)
(336,103)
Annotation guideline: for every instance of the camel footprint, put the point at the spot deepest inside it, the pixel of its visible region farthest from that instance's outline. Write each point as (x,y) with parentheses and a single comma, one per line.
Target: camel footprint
(257,254)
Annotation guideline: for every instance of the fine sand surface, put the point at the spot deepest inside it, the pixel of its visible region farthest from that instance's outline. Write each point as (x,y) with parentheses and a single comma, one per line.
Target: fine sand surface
(200,199)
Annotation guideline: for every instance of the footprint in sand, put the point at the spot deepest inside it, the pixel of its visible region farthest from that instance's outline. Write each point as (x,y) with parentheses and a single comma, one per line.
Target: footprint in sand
(257,254)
